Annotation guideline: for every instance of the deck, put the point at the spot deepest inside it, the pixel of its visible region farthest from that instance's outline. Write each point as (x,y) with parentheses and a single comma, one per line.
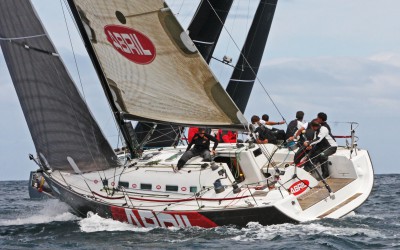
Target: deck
(319,192)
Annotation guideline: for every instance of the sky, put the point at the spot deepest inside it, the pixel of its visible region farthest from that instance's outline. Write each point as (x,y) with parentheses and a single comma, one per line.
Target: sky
(340,57)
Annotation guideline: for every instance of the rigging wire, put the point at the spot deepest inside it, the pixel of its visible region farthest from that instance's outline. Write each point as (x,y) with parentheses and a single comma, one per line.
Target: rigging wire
(73,51)
(180,8)
(120,136)
(222,71)
(191,11)
(246,61)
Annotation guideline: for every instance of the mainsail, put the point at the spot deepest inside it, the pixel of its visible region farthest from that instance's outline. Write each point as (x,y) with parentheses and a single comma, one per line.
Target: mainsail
(152,68)
(65,135)
(204,30)
(245,73)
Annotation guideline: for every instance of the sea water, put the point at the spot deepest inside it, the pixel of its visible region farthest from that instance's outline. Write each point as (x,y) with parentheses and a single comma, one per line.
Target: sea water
(32,224)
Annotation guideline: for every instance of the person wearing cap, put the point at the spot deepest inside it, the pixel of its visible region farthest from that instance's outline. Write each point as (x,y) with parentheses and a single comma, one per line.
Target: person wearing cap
(321,147)
(201,141)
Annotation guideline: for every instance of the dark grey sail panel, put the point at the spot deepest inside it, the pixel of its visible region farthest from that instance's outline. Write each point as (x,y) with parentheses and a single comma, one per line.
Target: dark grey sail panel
(207,24)
(65,134)
(244,75)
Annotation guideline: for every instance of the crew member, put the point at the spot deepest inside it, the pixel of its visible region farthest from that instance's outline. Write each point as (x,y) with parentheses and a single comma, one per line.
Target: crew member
(279,133)
(322,146)
(264,134)
(295,125)
(201,142)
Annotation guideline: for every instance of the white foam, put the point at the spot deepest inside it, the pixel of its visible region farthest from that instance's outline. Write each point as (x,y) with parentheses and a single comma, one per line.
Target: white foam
(95,223)
(53,210)
(255,231)
(363,216)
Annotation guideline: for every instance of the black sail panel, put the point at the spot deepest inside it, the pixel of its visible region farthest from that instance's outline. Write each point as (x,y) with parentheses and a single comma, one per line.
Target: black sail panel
(244,75)
(207,24)
(65,134)
(163,135)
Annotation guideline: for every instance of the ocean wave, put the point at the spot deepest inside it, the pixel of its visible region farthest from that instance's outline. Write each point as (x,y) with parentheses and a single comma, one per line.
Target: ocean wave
(50,210)
(255,231)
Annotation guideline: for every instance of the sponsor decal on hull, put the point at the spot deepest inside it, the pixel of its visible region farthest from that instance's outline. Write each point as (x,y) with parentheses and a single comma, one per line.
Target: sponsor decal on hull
(148,218)
(131,43)
(299,187)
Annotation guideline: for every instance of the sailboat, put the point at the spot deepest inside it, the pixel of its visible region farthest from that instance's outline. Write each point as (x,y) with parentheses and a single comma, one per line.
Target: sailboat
(151,71)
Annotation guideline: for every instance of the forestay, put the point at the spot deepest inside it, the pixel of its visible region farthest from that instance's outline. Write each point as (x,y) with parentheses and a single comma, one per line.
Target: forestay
(152,67)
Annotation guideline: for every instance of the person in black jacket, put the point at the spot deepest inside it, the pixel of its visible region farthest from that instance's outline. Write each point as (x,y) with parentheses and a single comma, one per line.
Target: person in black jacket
(295,124)
(264,134)
(201,142)
(278,133)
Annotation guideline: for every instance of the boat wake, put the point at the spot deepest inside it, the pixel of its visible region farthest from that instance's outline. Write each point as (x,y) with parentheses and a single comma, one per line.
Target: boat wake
(255,231)
(50,210)
(95,223)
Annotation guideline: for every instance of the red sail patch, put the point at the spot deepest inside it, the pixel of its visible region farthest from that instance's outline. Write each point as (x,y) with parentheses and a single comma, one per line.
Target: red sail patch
(299,187)
(130,43)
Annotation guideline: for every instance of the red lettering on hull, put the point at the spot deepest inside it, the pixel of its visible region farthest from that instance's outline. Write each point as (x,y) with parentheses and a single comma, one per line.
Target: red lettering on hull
(130,43)
(149,218)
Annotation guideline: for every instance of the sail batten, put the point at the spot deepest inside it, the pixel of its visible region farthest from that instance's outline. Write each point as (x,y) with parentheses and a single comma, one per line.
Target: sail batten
(151,66)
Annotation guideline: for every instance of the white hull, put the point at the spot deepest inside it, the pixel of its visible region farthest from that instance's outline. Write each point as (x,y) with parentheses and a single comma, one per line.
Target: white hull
(150,184)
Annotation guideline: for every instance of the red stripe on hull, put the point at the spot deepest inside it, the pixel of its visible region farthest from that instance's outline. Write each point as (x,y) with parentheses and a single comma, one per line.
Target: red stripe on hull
(149,218)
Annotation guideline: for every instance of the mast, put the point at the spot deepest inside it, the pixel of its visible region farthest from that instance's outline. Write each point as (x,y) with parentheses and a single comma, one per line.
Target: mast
(103,80)
(245,73)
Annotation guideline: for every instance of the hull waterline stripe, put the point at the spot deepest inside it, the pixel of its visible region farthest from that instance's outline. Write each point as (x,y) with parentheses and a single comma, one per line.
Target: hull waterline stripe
(175,200)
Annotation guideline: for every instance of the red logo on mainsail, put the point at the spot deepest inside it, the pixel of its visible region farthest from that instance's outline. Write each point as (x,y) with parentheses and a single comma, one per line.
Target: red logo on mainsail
(130,43)
(299,187)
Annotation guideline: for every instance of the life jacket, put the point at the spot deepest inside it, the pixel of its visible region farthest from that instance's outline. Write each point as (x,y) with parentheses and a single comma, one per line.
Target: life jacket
(229,137)
(191,133)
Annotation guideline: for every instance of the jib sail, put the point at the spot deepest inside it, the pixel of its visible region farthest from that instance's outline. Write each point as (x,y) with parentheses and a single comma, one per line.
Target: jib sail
(65,135)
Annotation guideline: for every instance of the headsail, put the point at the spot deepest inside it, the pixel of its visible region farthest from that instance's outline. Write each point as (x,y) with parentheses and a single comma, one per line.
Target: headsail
(63,130)
(207,24)
(244,75)
(151,65)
